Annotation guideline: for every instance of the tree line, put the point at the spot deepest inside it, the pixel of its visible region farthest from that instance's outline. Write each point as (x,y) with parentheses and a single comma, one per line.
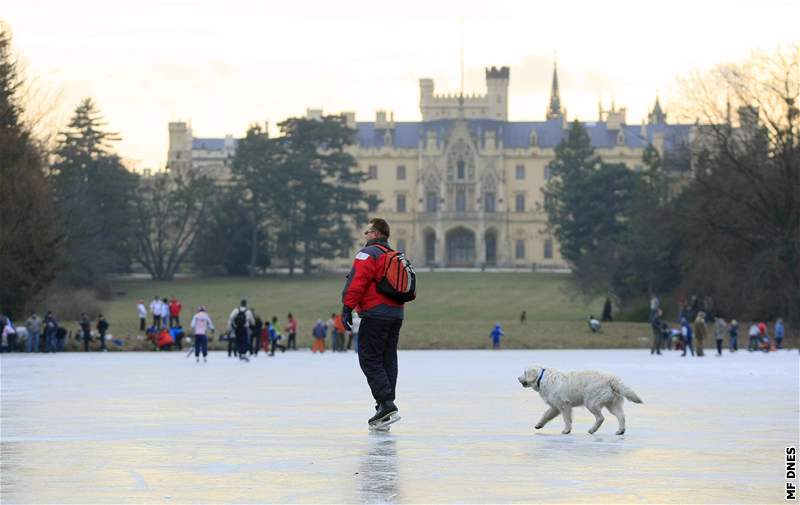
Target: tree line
(729,228)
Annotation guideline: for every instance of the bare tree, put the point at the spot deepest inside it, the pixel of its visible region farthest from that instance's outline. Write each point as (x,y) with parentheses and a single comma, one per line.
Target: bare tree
(170,209)
(743,209)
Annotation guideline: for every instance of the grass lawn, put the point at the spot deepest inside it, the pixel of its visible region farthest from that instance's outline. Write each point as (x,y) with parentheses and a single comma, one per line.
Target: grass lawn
(453,310)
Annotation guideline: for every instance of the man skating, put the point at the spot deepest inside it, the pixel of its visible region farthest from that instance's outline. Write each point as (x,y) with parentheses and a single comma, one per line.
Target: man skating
(240,321)
(382,316)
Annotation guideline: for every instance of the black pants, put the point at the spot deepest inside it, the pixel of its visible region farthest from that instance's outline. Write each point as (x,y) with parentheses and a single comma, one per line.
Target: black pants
(102,340)
(377,355)
(232,345)
(174,321)
(292,342)
(255,343)
(141,324)
(201,345)
(242,341)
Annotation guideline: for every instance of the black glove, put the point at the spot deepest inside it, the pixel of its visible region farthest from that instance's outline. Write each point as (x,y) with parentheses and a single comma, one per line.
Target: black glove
(347,318)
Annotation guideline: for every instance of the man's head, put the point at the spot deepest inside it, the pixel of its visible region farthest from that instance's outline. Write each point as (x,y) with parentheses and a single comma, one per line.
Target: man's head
(378,229)
(244,303)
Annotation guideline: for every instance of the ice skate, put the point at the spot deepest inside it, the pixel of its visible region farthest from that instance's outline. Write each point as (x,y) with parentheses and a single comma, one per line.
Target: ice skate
(198,359)
(385,416)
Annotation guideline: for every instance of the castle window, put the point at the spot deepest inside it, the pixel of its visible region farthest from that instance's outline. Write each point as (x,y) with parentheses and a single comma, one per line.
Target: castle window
(461,200)
(520,172)
(372,172)
(401,172)
(489,203)
(548,248)
(372,203)
(519,249)
(460,167)
(620,138)
(431,204)
(401,203)
(520,202)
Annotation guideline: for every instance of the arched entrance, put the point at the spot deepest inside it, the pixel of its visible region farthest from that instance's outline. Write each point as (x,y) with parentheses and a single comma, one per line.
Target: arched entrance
(491,247)
(460,248)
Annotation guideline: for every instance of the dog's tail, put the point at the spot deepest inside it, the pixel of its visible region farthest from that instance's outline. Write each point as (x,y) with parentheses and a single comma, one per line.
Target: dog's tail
(619,387)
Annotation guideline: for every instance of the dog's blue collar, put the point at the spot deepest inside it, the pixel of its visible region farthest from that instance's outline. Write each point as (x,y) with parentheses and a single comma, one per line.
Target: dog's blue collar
(539,380)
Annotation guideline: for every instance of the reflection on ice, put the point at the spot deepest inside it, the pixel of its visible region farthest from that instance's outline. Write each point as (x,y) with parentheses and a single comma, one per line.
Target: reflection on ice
(378,469)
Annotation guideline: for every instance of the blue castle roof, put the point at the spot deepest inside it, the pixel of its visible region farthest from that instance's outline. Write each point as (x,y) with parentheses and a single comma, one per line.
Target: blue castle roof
(515,135)
(519,134)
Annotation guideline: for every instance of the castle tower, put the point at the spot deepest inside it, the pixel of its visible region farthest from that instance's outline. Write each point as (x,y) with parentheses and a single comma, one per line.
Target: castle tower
(179,156)
(657,116)
(497,87)
(554,111)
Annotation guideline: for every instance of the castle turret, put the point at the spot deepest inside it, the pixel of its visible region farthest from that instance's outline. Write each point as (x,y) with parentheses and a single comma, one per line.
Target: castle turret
(497,87)
(179,156)
(657,116)
(554,110)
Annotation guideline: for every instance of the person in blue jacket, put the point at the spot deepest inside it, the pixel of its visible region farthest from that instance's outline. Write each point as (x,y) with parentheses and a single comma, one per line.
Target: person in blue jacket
(686,334)
(497,332)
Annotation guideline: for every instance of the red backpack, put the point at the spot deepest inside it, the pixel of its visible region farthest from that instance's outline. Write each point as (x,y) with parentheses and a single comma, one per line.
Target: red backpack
(396,277)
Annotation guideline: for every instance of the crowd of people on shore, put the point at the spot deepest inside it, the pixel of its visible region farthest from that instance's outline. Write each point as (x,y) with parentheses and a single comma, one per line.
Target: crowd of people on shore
(246,333)
(697,319)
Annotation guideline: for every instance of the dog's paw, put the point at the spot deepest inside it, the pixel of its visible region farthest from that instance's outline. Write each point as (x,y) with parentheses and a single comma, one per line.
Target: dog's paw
(539,426)
(566,432)
(620,432)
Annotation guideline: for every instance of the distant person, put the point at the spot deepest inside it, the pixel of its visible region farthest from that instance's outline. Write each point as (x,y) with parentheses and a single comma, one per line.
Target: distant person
(142,313)
(607,311)
(201,326)
(318,332)
(330,327)
(700,332)
(175,312)
(523,317)
(177,336)
(686,336)
(291,329)
(9,336)
(50,330)
(240,321)
(654,306)
(256,335)
(275,336)
(733,336)
(102,328)
(339,326)
(763,336)
(720,329)
(155,310)
(594,324)
(779,333)
(34,327)
(754,338)
(61,336)
(657,324)
(496,333)
(165,313)
(86,330)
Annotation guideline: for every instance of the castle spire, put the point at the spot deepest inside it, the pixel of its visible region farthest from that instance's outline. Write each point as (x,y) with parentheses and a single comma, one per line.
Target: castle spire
(657,116)
(555,111)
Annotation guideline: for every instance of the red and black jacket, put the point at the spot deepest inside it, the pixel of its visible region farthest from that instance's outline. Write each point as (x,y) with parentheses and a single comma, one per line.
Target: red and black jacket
(360,292)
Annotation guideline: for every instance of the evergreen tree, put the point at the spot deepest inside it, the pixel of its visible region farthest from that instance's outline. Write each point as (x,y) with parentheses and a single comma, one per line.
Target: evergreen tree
(588,209)
(95,194)
(326,199)
(30,240)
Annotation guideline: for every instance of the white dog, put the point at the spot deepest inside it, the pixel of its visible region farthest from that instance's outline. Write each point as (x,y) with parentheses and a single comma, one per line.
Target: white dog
(593,389)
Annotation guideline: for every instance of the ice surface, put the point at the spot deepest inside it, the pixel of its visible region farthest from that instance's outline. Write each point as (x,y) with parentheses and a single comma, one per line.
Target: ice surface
(158,427)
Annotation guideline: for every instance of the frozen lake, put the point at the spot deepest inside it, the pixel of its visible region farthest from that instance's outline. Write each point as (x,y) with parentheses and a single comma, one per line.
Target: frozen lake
(157,427)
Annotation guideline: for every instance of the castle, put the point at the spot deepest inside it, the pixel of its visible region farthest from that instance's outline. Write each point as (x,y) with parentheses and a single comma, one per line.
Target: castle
(463,187)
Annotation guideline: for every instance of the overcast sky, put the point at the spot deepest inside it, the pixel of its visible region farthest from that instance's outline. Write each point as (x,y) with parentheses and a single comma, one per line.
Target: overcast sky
(227,63)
